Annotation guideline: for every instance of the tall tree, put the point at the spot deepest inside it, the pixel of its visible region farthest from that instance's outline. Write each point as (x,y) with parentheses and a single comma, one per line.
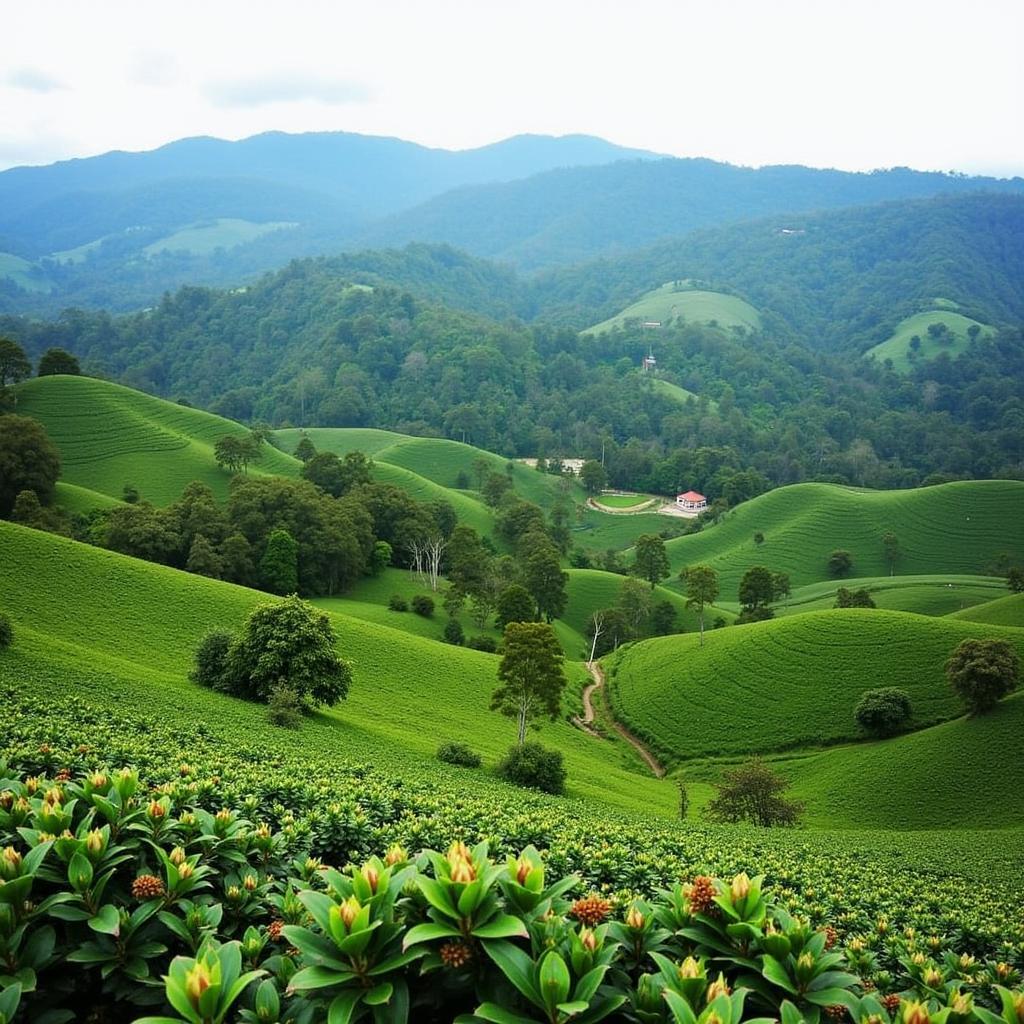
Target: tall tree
(891,546)
(531,675)
(701,583)
(594,477)
(982,672)
(756,593)
(543,575)
(514,605)
(56,360)
(279,570)
(28,460)
(14,364)
(651,559)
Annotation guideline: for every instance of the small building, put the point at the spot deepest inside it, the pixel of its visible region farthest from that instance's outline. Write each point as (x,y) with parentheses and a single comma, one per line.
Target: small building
(691,503)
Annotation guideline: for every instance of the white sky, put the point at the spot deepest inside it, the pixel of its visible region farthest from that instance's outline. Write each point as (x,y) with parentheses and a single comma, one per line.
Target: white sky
(855,84)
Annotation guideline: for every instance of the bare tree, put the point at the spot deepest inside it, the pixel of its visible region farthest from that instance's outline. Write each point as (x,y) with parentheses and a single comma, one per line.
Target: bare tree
(597,622)
(426,554)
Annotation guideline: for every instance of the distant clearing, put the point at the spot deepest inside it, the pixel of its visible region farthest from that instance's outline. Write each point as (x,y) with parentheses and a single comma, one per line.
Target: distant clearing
(670,302)
(207,236)
(23,273)
(897,348)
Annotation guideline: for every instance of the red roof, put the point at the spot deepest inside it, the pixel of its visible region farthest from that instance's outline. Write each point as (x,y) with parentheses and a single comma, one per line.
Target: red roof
(691,496)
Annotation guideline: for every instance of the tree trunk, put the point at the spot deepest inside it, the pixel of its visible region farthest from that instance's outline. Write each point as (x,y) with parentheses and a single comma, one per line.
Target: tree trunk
(522,724)
(702,626)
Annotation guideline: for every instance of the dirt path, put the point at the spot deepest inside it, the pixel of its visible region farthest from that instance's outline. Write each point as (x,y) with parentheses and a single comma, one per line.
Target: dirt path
(586,721)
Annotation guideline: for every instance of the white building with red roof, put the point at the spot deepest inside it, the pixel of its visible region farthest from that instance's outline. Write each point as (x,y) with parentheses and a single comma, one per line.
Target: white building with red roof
(691,504)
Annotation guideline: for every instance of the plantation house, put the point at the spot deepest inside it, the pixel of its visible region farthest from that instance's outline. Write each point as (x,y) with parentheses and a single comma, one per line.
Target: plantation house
(691,503)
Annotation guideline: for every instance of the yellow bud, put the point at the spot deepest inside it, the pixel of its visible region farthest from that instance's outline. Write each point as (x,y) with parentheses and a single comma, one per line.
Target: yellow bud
(588,939)
(98,780)
(740,887)
(250,883)
(962,1003)
(523,869)
(177,856)
(916,1013)
(349,909)
(372,876)
(932,978)
(395,855)
(186,871)
(197,981)
(918,959)
(635,919)
(156,810)
(94,841)
(689,968)
(805,961)
(718,988)
(463,872)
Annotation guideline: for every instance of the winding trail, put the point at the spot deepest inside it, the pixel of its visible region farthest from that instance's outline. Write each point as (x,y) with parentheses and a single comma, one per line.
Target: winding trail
(586,722)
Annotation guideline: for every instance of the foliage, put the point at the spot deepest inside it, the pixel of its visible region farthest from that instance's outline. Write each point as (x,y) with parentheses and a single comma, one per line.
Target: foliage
(28,461)
(846,598)
(701,583)
(514,605)
(279,566)
(454,633)
(883,712)
(14,364)
(56,360)
(210,662)
(284,706)
(1015,580)
(651,560)
(6,632)
(530,674)
(840,563)
(753,792)
(423,604)
(982,672)
(593,477)
(487,644)
(454,752)
(397,603)
(534,766)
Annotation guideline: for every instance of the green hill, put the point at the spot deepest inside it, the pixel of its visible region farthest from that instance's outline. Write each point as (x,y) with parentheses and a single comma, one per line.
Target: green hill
(678,300)
(109,436)
(897,348)
(409,693)
(961,528)
(1003,611)
(964,772)
(789,683)
(208,236)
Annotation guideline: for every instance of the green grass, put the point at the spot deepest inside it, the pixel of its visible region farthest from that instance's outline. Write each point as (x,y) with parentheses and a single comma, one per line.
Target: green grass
(669,302)
(409,693)
(966,773)
(596,532)
(1003,611)
(789,683)
(897,347)
(926,595)
(681,395)
(72,498)
(220,233)
(109,436)
(23,273)
(959,528)
(622,500)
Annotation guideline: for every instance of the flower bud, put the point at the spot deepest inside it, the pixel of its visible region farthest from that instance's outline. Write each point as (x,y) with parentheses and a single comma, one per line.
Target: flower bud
(186,871)
(932,978)
(372,876)
(156,810)
(740,887)
(177,856)
(349,910)
(463,872)
(588,940)
(249,883)
(690,968)
(718,988)
(635,919)
(197,981)
(94,841)
(10,863)
(962,1003)
(395,855)
(916,1013)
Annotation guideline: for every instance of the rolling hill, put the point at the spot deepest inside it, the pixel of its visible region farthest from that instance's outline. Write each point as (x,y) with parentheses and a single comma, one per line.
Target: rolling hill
(109,436)
(1003,611)
(789,683)
(953,342)
(59,595)
(681,300)
(961,528)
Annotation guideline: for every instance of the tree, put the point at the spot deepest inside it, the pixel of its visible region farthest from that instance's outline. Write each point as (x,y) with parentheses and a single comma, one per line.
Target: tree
(279,569)
(305,449)
(753,792)
(891,547)
(883,712)
(14,364)
(324,470)
(514,605)
(1015,580)
(651,559)
(481,468)
(982,672)
(290,644)
(209,664)
(635,604)
(227,451)
(203,559)
(29,512)
(781,586)
(29,460)
(701,583)
(840,563)
(380,559)
(535,766)
(593,476)
(606,628)
(56,360)
(543,576)
(684,798)
(663,618)
(453,633)
(530,674)
(973,331)
(495,487)
(846,598)
(237,561)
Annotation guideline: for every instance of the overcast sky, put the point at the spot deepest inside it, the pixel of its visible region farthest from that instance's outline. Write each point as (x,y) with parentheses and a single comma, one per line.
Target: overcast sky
(855,84)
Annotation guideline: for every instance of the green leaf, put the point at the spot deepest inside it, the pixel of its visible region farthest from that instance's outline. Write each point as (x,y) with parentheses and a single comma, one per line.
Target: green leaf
(107,921)
(554,979)
(427,932)
(516,966)
(380,994)
(828,996)
(588,985)
(577,1006)
(498,1015)
(318,977)
(833,979)
(342,1007)
(505,926)
(681,1012)
(437,896)
(236,989)
(777,974)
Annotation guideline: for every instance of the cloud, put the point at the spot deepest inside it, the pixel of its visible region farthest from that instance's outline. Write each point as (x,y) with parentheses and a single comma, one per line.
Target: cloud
(283,88)
(33,80)
(154,67)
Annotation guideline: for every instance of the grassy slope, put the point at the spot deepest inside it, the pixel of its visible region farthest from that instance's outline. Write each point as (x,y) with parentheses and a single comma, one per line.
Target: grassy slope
(952,528)
(23,273)
(666,303)
(109,436)
(220,233)
(789,683)
(1003,611)
(897,347)
(409,694)
(963,774)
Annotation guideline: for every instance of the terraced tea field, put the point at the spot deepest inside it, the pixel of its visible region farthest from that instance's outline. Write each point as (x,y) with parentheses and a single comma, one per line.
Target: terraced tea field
(897,347)
(958,528)
(1004,611)
(109,436)
(670,302)
(788,683)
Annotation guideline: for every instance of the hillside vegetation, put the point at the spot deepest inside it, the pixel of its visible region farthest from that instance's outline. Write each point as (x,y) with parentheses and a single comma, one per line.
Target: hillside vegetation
(898,347)
(1004,611)
(109,436)
(788,683)
(679,300)
(962,527)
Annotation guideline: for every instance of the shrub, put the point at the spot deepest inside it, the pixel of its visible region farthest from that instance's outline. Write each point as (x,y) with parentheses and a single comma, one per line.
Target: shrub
(423,604)
(982,672)
(846,598)
(534,766)
(487,644)
(454,633)
(753,792)
(397,603)
(840,563)
(6,633)
(458,753)
(284,707)
(884,711)
(211,659)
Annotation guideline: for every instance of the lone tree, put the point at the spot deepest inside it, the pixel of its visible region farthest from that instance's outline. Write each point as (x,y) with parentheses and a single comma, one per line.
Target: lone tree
(305,449)
(756,593)
(884,711)
(288,644)
(701,582)
(29,460)
(1015,580)
(651,559)
(846,598)
(530,674)
(982,672)
(753,792)
(840,563)
(57,360)
(593,477)
(891,546)
(14,364)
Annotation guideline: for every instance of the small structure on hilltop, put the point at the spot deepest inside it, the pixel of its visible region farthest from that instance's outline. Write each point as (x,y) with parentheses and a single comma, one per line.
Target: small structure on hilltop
(691,504)
(649,363)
